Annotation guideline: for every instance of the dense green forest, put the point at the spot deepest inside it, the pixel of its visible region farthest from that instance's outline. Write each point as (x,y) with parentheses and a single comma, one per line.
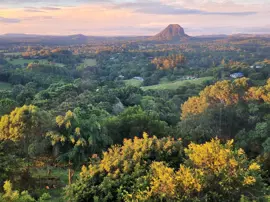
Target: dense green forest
(135,121)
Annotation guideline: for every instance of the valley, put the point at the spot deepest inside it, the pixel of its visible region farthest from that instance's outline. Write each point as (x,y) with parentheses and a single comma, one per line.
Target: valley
(167,117)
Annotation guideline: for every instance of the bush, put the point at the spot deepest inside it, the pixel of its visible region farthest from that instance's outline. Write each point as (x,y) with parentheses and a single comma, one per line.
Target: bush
(151,169)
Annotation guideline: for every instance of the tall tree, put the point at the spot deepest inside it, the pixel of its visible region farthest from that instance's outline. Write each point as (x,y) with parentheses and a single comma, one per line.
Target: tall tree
(79,134)
(24,124)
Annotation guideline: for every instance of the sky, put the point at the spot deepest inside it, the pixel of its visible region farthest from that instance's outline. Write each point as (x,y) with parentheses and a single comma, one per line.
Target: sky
(133,17)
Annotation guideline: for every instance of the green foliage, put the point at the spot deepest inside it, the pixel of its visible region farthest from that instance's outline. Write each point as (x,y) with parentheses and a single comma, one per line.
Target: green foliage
(6,106)
(47,68)
(11,163)
(22,61)
(79,134)
(133,122)
(97,109)
(133,82)
(45,197)
(5,86)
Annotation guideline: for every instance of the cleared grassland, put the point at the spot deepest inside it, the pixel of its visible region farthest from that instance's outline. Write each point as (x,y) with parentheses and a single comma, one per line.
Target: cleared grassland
(13,54)
(22,61)
(133,82)
(90,62)
(5,86)
(175,84)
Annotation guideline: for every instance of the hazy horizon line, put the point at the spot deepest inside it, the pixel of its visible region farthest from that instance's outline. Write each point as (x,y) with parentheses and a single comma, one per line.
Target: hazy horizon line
(87,35)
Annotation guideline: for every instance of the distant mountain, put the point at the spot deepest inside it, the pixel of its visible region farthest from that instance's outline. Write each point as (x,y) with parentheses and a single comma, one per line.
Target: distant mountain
(79,37)
(212,36)
(250,35)
(173,32)
(17,35)
(20,38)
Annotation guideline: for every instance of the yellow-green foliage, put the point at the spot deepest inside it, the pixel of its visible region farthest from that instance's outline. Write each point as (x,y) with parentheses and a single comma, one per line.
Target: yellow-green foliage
(211,172)
(133,154)
(15,196)
(22,122)
(227,93)
(124,169)
(260,93)
(69,133)
(210,167)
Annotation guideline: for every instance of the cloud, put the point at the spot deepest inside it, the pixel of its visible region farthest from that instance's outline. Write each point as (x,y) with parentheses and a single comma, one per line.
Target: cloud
(41,9)
(50,8)
(164,9)
(31,10)
(47,3)
(132,17)
(38,18)
(9,20)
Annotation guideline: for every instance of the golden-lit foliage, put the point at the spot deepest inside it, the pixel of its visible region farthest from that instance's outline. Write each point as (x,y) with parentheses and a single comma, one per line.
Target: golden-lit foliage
(249,180)
(163,180)
(194,105)
(254,166)
(266,61)
(169,62)
(226,93)
(189,180)
(21,122)
(209,166)
(260,93)
(212,167)
(170,185)
(132,155)
(235,64)
(212,157)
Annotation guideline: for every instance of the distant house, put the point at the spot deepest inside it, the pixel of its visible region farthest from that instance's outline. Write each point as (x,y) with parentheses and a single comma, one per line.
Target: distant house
(121,76)
(142,47)
(237,75)
(189,77)
(256,66)
(138,78)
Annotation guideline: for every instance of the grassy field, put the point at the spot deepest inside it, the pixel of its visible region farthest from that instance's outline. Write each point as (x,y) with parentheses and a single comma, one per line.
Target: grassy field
(5,86)
(175,84)
(22,61)
(13,54)
(133,82)
(90,62)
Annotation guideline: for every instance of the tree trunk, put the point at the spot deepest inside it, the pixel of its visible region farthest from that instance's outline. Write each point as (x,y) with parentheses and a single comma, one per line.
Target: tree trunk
(56,150)
(70,174)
